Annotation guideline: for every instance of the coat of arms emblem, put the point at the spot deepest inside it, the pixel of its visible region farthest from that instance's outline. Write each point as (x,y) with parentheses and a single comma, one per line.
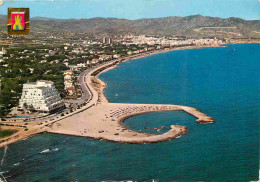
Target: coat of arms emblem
(18,21)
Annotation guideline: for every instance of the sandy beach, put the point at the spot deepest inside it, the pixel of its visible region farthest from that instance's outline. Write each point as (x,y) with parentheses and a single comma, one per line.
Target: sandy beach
(104,119)
(100,119)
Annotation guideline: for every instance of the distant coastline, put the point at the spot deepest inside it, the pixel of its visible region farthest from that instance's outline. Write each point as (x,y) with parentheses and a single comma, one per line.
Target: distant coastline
(142,55)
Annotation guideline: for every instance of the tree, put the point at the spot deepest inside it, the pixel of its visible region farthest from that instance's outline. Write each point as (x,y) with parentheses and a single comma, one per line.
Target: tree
(25,105)
(31,108)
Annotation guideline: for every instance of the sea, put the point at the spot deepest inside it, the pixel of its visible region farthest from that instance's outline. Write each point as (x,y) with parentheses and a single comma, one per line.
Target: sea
(223,82)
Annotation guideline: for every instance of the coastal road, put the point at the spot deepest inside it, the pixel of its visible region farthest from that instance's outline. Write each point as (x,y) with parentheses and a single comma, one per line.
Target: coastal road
(85,91)
(83,79)
(83,86)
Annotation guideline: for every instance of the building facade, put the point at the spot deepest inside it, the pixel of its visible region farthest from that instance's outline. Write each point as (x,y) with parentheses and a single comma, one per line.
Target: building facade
(42,96)
(68,82)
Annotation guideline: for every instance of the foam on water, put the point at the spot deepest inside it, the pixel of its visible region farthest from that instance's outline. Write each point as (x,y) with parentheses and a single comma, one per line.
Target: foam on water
(55,149)
(17,164)
(3,172)
(45,151)
(5,150)
(49,150)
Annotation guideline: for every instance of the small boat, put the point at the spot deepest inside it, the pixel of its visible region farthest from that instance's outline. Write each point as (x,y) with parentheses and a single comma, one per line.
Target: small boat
(146,127)
(163,127)
(156,128)
(116,95)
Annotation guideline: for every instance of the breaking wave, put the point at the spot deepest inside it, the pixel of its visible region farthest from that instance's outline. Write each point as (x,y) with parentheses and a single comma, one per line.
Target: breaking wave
(49,150)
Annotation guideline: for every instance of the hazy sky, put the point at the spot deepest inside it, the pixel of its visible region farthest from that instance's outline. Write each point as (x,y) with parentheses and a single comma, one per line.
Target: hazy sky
(135,9)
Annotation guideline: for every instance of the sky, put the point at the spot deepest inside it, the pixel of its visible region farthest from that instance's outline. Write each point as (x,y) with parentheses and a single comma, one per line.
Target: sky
(136,9)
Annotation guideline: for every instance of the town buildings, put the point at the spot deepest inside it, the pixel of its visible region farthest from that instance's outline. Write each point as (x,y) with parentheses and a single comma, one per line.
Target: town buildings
(106,40)
(68,82)
(40,96)
(3,51)
(164,41)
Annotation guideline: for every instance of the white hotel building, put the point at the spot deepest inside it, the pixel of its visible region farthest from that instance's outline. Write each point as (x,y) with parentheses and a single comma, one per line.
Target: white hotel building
(42,95)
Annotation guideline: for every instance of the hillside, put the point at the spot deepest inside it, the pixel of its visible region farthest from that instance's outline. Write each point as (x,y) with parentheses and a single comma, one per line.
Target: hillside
(196,26)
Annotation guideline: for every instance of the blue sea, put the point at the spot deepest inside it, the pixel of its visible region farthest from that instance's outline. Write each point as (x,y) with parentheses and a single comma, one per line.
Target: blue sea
(222,82)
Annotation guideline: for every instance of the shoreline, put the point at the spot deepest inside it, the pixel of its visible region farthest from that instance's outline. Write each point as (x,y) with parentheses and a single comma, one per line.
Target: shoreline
(43,128)
(129,58)
(103,113)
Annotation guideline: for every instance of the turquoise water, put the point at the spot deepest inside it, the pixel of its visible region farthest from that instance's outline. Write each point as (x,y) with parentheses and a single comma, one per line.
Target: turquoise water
(158,119)
(222,82)
(22,116)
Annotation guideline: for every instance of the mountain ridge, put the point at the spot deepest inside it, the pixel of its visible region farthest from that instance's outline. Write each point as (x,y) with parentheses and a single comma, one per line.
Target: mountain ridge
(194,26)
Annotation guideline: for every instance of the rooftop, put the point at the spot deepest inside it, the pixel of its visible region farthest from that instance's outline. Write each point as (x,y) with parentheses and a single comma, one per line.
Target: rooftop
(40,83)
